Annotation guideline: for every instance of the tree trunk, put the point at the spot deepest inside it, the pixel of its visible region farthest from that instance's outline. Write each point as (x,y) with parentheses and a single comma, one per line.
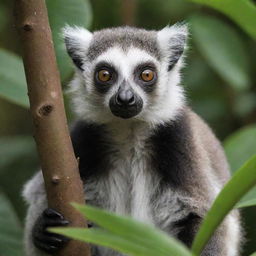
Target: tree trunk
(59,165)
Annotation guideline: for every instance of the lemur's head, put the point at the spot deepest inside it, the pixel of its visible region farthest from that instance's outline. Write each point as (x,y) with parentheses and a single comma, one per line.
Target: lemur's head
(127,73)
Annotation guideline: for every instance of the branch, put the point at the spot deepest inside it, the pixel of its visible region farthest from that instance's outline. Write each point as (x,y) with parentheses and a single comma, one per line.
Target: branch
(59,165)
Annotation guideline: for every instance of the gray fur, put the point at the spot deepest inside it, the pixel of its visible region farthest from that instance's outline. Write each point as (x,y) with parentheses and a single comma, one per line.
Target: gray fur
(35,196)
(132,186)
(125,37)
(127,189)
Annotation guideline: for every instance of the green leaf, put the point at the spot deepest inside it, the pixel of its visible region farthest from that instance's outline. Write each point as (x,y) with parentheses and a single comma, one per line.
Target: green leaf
(10,229)
(107,239)
(254,254)
(240,146)
(243,12)
(244,104)
(247,203)
(242,181)
(248,200)
(230,60)
(15,147)
(129,228)
(18,161)
(130,235)
(12,79)
(75,12)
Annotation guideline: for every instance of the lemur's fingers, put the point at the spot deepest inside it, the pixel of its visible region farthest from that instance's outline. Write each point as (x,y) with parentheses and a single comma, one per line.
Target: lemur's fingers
(52,218)
(55,223)
(45,240)
(49,242)
(51,213)
(51,239)
(45,247)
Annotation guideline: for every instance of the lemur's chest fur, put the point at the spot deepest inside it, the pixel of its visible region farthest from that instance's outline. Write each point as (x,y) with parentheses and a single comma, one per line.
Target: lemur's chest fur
(125,170)
(128,182)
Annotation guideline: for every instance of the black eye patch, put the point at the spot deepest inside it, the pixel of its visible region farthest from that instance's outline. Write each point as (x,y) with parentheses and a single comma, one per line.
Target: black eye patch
(102,68)
(144,71)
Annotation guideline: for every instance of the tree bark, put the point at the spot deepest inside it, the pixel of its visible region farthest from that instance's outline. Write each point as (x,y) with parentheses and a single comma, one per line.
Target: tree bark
(59,165)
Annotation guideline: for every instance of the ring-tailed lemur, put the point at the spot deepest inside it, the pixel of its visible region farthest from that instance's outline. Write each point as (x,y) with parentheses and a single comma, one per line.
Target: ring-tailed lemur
(142,151)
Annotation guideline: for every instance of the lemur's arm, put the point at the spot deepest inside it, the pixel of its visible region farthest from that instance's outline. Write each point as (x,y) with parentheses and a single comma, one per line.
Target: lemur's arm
(39,242)
(218,244)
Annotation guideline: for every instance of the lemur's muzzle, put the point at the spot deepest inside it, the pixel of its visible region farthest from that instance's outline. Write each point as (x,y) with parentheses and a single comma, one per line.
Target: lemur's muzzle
(125,103)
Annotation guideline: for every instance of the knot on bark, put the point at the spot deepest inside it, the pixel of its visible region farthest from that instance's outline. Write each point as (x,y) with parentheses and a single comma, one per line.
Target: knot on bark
(55,179)
(27,27)
(45,110)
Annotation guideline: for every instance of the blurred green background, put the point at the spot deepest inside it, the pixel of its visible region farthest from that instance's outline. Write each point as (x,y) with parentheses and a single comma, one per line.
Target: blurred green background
(219,78)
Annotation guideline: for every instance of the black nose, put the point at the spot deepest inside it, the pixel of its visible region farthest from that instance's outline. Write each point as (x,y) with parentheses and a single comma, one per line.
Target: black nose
(125,104)
(125,98)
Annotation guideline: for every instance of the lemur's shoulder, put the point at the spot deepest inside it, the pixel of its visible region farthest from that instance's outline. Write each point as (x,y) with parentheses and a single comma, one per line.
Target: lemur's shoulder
(183,151)
(207,141)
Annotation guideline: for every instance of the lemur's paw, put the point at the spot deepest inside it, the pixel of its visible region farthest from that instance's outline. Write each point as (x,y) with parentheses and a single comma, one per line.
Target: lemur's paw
(44,240)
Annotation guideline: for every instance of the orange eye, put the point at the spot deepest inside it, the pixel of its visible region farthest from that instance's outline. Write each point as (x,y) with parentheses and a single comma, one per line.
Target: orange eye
(147,75)
(104,75)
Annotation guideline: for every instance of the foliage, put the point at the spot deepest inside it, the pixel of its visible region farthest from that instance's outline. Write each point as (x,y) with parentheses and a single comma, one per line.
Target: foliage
(11,231)
(239,147)
(13,148)
(213,38)
(75,12)
(18,159)
(242,181)
(234,9)
(220,83)
(13,85)
(124,234)
(129,236)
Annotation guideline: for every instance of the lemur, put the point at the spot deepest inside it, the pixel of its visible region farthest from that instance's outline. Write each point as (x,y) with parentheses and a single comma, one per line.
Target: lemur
(143,152)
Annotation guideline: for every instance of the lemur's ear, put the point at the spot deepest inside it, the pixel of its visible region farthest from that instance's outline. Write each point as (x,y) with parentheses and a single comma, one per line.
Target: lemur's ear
(77,40)
(172,42)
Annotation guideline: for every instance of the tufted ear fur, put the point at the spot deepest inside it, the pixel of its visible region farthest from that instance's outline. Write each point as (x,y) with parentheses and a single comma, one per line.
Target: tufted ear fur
(77,40)
(172,42)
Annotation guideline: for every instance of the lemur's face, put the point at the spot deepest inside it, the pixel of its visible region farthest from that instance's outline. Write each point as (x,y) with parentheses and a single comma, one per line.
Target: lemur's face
(126,73)
(125,79)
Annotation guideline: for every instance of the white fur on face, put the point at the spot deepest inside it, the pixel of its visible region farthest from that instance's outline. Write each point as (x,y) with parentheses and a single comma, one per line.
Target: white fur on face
(159,106)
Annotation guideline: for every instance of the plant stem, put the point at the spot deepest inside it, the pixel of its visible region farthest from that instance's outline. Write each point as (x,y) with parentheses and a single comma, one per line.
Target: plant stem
(59,165)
